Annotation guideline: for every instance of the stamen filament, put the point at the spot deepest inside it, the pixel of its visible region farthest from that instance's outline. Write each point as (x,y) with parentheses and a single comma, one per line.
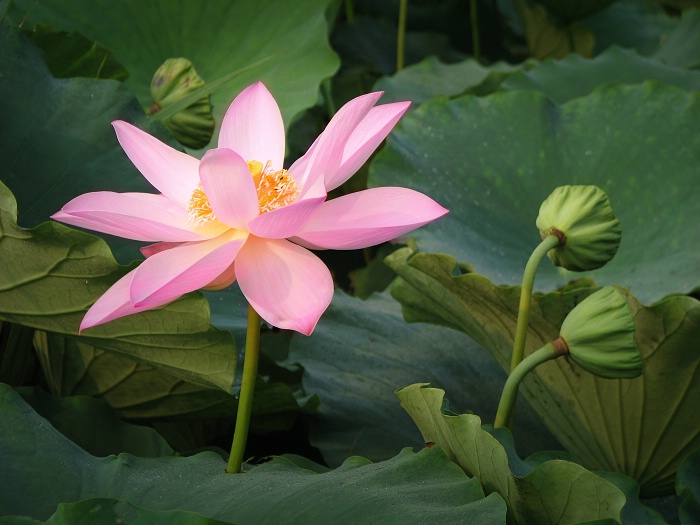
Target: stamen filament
(276,189)
(198,207)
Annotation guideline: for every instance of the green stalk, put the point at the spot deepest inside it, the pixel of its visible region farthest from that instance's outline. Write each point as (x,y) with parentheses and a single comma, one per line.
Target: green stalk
(549,242)
(401,38)
(476,45)
(510,389)
(245,400)
(349,11)
(570,38)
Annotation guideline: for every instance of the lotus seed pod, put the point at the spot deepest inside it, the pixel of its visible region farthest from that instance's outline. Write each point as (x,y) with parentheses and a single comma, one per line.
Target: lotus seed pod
(174,80)
(582,218)
(599,334)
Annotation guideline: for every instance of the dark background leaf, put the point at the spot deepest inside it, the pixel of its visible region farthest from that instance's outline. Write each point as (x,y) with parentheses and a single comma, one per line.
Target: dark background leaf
(362,351)
(491,161)
(218,37)
(56,141)
(93,426)
(573,77)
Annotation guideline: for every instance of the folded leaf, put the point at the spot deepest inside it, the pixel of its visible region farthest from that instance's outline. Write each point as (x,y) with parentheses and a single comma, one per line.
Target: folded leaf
(555,491)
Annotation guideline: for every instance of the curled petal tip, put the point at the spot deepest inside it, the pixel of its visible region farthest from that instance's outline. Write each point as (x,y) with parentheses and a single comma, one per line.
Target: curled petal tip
(87,323)
(304,326)
(82,328)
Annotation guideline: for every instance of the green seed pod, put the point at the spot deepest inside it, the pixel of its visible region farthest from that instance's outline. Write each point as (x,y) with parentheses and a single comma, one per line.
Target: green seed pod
(599,334)
(174,80)
(582,218)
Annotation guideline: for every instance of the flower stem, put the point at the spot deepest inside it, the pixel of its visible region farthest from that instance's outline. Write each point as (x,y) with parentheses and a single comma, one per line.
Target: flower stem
(476,45)
(570,38)
(245,400)
(401,38)
(510,390)
(349,11)
(549,242)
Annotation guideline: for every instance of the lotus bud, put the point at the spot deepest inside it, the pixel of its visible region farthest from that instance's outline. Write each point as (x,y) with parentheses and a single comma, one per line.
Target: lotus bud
(583,220)
(599,336)
(193,126)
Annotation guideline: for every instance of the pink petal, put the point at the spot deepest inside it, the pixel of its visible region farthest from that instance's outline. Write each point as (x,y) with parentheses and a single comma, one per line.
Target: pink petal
(158,247)
(114,303)
(167,275)
(229,186)
(253,127)
(139,216)
(171,172)
(313,188)
(366,138)
(226,279)
(299,167)
(368,217)
(326,154)
(286,284)
(287,221)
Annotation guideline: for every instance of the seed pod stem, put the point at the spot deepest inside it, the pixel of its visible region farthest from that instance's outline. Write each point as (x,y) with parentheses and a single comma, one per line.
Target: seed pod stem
(549,242)
(510,389)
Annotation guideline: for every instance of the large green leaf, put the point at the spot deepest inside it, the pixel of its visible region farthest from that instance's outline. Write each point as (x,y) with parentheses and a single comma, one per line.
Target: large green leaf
(361,351)
(73,367)
(492,161)
(92,425)
(641,26)
(642,427)
(189,416)
(107,511)
(432,78)
(556,491)
(682,46)
(421,488)
(219,37)
(574,76)
(72,55)
(51,274)
(56,140)
(138,391)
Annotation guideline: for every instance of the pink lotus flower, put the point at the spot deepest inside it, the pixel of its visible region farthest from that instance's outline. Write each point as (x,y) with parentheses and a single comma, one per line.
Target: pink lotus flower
(237,215)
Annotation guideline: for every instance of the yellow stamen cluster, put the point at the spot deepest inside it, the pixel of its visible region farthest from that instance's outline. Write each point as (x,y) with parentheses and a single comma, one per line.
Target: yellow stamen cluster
(276,189)
(198,207)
